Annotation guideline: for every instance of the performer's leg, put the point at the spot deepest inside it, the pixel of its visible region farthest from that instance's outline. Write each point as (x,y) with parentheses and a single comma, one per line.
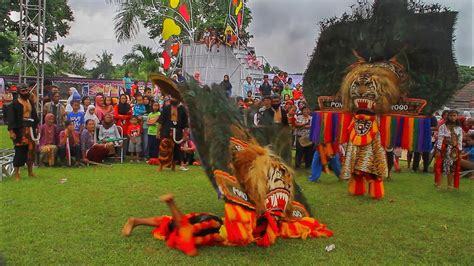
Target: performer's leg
(316,167)
(308,156)
(335,163)
(390,161)
(357,184)
(450,181)
(416,161)
(19,159)
(376,189)
(298,154)
(426,161)
(409,157)
(134,222)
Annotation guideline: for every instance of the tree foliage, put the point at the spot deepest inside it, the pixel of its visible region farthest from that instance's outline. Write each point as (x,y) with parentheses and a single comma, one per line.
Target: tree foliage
(143,60)
(61,62)
(132,14)
(104,68)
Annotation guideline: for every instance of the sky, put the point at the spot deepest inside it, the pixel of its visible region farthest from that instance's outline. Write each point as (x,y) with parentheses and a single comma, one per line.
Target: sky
(285,31)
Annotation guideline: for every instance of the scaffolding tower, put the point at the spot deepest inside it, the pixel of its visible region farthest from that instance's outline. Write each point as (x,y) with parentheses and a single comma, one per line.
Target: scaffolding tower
(32,47)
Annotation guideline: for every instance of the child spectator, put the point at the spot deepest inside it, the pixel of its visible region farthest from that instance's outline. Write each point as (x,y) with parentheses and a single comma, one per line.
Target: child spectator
(108,107)
(69,140)
(153,141)
(108,130)
(188,148)
(249,86)
(134,133)
(252,60)
(90,114)
(76,116)
(85,102)
(48,140)
(139,108)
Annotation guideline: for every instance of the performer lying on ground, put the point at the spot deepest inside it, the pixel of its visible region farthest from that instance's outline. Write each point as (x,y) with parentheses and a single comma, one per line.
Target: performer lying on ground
(262,200)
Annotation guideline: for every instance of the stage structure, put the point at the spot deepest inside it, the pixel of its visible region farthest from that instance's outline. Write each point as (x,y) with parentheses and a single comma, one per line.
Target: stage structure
(179,35)
(32,46)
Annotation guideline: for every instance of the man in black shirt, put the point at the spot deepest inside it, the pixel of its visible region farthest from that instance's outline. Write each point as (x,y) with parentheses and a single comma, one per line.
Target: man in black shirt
(265,87)
(171,124)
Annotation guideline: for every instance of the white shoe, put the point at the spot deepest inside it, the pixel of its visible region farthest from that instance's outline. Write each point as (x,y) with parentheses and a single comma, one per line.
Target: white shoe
(182,168)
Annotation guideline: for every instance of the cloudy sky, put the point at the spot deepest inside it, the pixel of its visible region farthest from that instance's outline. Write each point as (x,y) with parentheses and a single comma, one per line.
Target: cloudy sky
(285,31)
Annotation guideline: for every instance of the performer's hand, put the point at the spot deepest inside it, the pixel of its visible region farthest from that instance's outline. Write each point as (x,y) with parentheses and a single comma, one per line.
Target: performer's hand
(12,135)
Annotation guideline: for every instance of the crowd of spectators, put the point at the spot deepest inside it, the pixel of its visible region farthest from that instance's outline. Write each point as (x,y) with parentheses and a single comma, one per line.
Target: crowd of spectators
(86,130)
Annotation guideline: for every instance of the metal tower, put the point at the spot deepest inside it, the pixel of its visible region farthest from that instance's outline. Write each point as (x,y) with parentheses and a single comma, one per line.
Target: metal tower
(32,47)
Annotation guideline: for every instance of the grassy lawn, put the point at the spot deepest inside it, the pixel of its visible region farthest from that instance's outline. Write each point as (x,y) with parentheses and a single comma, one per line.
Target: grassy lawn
(79,222)
(5,142)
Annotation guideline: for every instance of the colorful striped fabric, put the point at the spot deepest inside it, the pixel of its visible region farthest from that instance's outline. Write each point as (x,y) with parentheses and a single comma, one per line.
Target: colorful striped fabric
(412,133)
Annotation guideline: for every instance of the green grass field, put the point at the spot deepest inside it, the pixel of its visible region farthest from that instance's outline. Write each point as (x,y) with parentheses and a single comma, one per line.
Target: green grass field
(79,222)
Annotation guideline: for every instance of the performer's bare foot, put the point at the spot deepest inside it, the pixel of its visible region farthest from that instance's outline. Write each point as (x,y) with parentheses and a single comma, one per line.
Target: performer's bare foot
(166,197)
(17,177)
(128,227)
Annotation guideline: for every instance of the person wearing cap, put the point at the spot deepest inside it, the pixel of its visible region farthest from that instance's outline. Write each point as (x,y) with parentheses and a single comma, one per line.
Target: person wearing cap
(22,126)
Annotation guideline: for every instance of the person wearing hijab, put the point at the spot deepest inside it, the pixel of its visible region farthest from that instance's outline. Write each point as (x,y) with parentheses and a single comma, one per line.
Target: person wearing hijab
(48,140)
(227,86)
(99,105)
(90,114)
(73,96)
(123,112)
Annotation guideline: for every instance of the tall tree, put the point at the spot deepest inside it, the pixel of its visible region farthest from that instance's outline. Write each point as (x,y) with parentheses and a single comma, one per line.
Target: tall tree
(104,67)
(143,59)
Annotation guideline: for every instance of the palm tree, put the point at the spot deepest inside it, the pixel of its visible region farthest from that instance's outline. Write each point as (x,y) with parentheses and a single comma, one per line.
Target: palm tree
(104,66)
(144,59)
(58,58)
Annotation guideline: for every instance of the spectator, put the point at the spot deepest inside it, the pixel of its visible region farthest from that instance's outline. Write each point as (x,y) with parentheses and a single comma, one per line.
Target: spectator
(275,90)
(187,148)
(290,82)
(197,77)
(85,102)
(91,151)
(134,133)
(73,96)
(147,102)
(76,116)
(123,113)
(265,87)
(276,81)
(252,60)
(174,77)
(303,150)
(48,140)
(153,141)
(227,86)
(181,78)
(99,105)
(298,92)
(287,92)
(69,140)
(57,109)
(134,89)
(108,131)
(139,108)
(249,86)
(267,104)
(127,83)
(90,114)
(148,93)
(467,157)
(108,107)
(276,114)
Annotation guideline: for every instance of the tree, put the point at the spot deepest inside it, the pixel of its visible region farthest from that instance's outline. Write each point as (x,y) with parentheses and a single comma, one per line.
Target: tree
(143,59)
(58,18)
(104,68)
(466,75)
(62,61)
(206,13)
